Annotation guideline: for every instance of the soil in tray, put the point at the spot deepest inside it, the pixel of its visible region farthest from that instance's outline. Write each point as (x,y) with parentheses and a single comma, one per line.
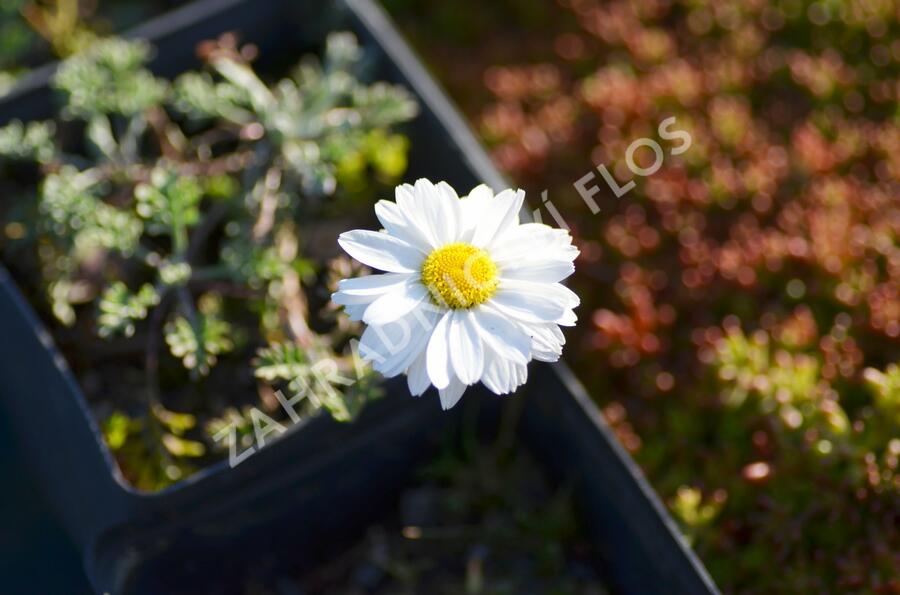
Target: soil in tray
(476,523)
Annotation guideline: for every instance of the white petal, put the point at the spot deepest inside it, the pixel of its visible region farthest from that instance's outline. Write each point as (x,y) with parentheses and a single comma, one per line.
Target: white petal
(500,214)
(480,194)
(372,347)
(438,357)
(395,304)
(572,298)
(520,375)
(467,351)
(403,360)
(546,356)
(533,241)
(405,195)
(354,305)
(348,299)
(447,190)
(530,302)
(501,336)
(397,224)
(372,284)
(498,376)
(451,395)
(546,342)
(421,331)
(393,347)
(381,251)
(441,212)
(543,271)
(567,319)
(355,311)
(493,378)
(417,376)
(472,208)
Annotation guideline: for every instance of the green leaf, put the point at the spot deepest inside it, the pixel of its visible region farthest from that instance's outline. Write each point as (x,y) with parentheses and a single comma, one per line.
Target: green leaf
(248,85)
(382,104)
(33,141)
(317,378)
(182,447)
(281,361)
(342,52)
(252,262)
(117,429)
(110,78)
(76,215)
(170,204)
(120,309)
(198,96)
(199,348)
(100,135)
(149,463)
(177,423)
(174,273)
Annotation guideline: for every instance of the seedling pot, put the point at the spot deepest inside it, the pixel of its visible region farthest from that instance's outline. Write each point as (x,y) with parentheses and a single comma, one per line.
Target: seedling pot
(306,493)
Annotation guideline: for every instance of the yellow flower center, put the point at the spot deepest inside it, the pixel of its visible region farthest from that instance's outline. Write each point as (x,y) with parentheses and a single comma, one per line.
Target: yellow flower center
(459,275)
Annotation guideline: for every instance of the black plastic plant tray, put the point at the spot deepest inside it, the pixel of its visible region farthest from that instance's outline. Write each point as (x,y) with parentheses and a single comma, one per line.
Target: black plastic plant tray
(30,537)
(322,482)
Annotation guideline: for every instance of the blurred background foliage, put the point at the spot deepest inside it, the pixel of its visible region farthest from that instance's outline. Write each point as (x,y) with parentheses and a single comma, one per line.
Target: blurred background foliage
(741,309)
(34,32)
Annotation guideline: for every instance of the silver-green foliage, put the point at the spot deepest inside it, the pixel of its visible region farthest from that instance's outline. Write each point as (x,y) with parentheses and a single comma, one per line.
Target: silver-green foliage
(313,120)
(110,78)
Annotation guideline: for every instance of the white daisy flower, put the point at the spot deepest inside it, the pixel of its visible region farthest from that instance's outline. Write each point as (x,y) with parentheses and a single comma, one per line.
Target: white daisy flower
(469,294)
